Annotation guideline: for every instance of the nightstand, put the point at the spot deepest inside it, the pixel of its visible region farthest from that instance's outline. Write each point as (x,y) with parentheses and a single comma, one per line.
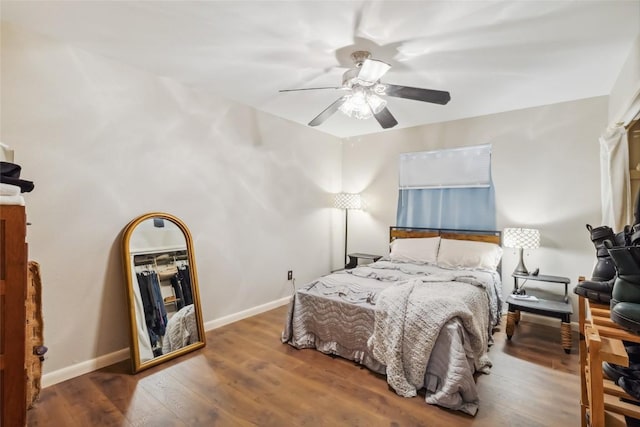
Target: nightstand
(353,259)
(560,308)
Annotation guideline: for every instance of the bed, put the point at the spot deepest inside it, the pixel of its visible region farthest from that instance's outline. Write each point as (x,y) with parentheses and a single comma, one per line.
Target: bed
(422,316)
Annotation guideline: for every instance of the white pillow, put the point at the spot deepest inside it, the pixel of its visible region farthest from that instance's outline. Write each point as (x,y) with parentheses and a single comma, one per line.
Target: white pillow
(469,254)
(422,250)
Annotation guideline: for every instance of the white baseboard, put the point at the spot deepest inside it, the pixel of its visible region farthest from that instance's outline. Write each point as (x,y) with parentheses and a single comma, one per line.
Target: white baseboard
(99,362)
(216,323)
(85,367)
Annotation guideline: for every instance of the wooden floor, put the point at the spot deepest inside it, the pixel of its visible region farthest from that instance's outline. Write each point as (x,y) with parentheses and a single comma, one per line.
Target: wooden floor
(246,376)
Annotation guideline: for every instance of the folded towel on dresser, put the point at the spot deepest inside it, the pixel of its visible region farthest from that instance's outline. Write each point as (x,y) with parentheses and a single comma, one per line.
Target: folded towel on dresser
(9,190)
(12,200)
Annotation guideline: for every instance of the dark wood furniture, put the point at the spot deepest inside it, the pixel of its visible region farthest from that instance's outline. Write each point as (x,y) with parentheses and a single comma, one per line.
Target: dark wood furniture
(560,309)
(353,259)
(13,287)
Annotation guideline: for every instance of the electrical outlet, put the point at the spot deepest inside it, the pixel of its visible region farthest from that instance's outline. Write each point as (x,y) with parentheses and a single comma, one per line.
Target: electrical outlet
(290,275)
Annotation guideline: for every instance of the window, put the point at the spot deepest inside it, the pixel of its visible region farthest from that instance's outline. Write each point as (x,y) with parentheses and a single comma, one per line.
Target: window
(449,189)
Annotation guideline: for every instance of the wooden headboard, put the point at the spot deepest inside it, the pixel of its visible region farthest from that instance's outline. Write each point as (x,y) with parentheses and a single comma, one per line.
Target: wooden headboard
(474,235)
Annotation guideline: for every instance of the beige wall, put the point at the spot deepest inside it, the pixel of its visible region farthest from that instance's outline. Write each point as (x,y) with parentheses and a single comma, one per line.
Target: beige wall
(545,168)
(105,143)
(624,100)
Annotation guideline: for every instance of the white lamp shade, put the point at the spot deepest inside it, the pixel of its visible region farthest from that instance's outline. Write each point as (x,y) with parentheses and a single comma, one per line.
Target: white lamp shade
(347,201)
(525,238)
(371,70)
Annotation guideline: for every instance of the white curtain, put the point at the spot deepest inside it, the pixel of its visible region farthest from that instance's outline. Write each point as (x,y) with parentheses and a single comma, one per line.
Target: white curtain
(617,203)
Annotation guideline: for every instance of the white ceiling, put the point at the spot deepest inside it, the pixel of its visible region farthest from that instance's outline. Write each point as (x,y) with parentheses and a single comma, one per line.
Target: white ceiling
(492,56)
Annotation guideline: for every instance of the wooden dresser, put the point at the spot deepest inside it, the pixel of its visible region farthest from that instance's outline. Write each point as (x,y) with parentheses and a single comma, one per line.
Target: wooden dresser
(13,286)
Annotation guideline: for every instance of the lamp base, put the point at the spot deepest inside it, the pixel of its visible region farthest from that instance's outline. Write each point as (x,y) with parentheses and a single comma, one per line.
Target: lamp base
(521,269)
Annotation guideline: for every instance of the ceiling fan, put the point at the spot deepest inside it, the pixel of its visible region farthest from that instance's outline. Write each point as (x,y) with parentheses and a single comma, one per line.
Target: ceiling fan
(364,88)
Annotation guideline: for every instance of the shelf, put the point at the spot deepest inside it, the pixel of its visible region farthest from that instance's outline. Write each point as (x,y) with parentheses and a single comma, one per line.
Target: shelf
(612,389)
(602,401)
(618,333)
(542,278)
(614,404)
(599,310)
(613,351)
(518,287)
(614,420)
(604,321)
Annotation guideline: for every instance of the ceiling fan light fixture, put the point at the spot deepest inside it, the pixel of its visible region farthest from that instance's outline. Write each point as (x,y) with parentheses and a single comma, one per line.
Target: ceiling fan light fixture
(362,104)
(359,56)
(350,77)
(356,106)
(371,71)
(363,87)
(376,103)
(379,89)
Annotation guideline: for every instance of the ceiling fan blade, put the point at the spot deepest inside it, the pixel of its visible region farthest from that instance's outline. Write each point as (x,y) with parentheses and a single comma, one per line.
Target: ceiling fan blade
(328,112)
(311,88)
(417,94)
(372,70)
(385,118)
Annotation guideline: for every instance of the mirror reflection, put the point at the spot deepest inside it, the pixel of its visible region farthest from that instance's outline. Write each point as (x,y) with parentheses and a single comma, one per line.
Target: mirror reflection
(166,318)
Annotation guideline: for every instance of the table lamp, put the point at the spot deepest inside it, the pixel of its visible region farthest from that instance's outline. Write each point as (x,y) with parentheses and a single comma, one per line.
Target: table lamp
(521,238)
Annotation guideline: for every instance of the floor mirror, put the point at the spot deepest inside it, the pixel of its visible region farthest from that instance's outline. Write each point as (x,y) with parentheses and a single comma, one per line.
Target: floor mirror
(162,290)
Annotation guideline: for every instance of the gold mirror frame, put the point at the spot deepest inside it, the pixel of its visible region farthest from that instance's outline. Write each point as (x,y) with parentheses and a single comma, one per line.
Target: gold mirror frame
(136,363)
